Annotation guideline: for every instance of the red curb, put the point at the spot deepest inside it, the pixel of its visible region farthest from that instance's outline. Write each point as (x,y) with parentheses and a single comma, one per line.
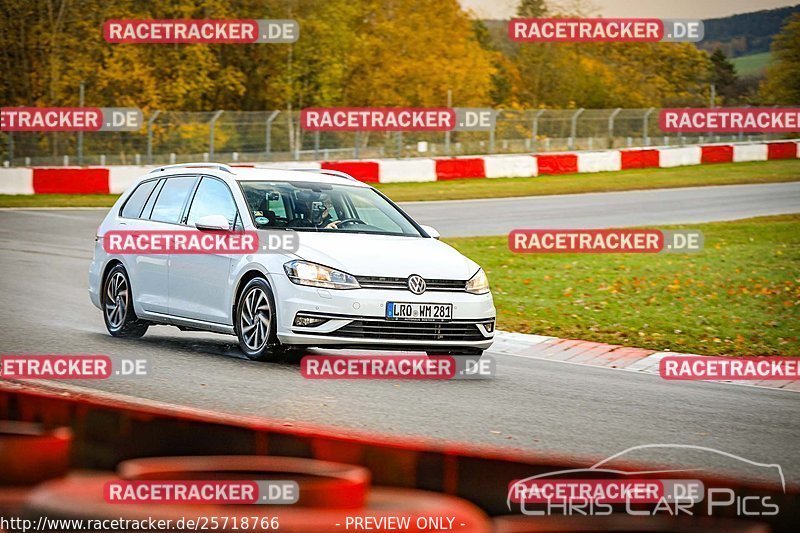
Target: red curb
(545,349)
(458,168)
(593,353)
(784,150)
(639,159)
(573,351)
(716,154)
(611,358)
(557,164)
(621,357)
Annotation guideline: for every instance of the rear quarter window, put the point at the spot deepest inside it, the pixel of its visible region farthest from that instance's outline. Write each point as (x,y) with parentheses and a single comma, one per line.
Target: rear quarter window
(135,203)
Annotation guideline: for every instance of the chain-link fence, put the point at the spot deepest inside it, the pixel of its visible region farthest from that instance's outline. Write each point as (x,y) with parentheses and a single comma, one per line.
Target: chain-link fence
(248,136)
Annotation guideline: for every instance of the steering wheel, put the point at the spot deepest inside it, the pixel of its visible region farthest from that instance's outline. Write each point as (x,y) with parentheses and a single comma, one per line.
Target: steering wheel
(351,221)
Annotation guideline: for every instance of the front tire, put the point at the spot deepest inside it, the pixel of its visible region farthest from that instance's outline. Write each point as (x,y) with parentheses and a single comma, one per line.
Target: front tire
(117,303)
(255,321)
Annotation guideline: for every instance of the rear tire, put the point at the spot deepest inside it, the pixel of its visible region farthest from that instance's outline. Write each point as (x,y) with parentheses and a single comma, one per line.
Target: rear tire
(117,304)
(255,322)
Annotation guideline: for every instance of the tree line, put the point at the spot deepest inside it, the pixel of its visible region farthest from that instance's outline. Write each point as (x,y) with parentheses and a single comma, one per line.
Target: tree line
(354,53)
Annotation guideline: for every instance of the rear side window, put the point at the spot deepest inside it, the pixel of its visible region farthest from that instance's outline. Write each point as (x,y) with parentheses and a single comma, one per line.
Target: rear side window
(148,207)
(133,207)
(172,198)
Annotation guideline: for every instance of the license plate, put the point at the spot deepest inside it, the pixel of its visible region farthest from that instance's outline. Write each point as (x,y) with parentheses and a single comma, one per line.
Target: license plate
(414,311)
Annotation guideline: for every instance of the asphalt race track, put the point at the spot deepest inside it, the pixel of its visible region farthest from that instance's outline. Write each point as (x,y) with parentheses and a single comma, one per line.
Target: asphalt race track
(608,210)
(541,406)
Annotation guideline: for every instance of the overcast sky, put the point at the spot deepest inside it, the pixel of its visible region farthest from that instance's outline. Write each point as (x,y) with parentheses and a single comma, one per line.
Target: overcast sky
(702,9)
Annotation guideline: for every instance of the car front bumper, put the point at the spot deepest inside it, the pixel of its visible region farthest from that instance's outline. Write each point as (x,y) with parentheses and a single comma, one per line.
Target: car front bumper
(357,318)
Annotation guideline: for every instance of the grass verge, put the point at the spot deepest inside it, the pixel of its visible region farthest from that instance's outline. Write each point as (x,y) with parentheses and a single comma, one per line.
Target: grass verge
(626,180)
(740,296)
(57,200)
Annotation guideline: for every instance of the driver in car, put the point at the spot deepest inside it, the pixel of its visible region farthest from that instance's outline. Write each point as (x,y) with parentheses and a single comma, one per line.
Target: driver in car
(321,214)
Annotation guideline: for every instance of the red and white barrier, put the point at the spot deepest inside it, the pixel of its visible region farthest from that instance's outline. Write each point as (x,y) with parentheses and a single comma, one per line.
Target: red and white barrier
(115,180)
(605,161)
(679,156)
(639,158)
(16,181)
(749,152)
(511,166)
(404,170)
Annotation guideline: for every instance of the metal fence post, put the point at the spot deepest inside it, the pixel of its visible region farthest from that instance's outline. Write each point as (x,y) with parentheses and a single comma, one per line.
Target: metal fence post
(491,137)
(268,138)
(611,126)
(211,133)
(535,127)
(150,136)
(80,133)
(447,133)
(573,132)
(11,148)
(646,133)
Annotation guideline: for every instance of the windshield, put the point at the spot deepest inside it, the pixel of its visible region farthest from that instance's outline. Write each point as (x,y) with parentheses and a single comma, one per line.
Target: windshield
(324,207)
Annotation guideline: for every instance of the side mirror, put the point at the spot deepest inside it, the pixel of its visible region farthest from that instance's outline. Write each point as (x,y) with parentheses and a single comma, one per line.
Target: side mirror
(430,231)
(213,223)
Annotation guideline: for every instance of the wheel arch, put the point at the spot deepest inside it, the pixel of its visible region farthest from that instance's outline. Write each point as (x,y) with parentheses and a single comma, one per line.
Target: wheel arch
(243,280)
(106,269)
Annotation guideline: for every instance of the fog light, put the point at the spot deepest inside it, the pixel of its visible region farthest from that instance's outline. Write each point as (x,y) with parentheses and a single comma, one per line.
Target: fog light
(489,326)
(308,321)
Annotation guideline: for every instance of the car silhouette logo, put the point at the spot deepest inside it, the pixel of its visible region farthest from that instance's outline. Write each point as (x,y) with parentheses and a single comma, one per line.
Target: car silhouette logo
(416,284)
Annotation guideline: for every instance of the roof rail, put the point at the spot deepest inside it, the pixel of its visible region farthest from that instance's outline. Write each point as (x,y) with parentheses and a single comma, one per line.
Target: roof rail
(328,171)
(218,166)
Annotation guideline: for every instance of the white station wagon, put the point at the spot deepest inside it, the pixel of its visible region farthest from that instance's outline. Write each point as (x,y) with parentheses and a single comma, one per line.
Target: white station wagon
(364,275)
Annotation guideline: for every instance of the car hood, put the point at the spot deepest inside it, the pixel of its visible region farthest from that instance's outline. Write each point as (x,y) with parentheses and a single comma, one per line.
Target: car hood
(383,255)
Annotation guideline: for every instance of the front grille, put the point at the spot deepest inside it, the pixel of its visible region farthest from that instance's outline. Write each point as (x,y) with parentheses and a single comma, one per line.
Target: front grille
(423,331)
(375,282)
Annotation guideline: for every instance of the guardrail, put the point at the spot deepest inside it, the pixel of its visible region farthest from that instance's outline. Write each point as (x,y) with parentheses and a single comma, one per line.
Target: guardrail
(116,179)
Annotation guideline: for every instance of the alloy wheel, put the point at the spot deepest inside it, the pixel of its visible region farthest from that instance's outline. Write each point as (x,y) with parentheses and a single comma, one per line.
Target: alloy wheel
(254,322)
(116,307)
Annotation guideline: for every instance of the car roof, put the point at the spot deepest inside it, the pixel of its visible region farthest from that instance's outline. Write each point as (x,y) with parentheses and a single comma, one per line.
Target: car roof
(314,175)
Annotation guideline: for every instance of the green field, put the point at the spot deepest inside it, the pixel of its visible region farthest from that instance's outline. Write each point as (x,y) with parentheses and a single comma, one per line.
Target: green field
(752,65)
(625,180)
(741,296)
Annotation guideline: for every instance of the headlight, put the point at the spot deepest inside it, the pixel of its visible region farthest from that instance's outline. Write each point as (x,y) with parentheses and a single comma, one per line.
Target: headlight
(479,283)
(314,275)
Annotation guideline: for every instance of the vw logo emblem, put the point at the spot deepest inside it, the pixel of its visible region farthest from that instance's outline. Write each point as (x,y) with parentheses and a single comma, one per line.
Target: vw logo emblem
(416,284)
